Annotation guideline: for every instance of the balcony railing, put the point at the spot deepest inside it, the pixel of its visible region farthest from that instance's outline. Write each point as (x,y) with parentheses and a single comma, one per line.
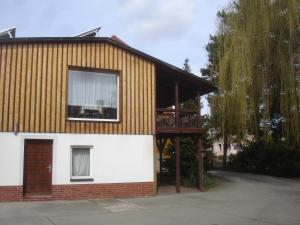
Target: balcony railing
(187,119)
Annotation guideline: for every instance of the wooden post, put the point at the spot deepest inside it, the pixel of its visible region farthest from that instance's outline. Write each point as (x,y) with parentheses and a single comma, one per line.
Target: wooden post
(177,116)
(177,148)
(177,144)
(200,165)
(198,98)
(199,151)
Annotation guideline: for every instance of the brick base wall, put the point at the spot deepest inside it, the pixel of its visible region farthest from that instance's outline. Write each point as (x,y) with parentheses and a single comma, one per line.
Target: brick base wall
(82,191)
(11,193)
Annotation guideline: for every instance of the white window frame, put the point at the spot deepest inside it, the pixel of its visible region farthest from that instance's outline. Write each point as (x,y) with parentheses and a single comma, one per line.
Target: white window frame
(83,178)
(118,99)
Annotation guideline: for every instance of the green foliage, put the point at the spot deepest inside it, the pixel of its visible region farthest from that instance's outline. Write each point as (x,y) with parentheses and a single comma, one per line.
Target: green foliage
(255,60)
(207,142)
(188,154)
(186,65)
(208,181)
(189,165)
(267,158)
(188,160)
(211,71)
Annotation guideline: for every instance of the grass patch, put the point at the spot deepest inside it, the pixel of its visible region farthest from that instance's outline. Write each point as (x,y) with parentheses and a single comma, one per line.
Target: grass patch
(208,181)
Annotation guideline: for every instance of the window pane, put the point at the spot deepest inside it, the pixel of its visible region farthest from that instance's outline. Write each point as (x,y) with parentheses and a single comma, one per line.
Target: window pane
(92,95)
(80,162)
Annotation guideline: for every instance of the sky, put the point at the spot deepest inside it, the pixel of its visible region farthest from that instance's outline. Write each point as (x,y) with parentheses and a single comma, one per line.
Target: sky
(170,30)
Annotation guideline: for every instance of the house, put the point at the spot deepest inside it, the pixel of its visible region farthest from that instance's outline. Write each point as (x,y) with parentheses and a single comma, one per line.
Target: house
(218,150)
(82,117)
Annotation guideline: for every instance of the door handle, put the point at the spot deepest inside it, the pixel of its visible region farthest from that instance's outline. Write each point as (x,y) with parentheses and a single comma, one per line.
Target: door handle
(49,168)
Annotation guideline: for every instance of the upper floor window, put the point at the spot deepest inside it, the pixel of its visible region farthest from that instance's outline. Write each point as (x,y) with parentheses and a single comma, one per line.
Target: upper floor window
(93,96)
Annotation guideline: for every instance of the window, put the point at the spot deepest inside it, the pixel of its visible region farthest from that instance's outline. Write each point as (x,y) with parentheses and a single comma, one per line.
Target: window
(93,96)
(81,163)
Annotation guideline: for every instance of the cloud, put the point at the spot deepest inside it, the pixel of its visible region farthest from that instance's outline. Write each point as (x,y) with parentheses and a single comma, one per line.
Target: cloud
(160,19)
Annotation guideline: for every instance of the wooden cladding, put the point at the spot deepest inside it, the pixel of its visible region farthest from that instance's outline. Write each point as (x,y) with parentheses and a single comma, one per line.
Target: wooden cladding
(33,87)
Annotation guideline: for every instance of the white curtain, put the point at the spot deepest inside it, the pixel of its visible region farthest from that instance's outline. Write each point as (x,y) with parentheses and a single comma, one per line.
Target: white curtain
(92,89)
(80,162)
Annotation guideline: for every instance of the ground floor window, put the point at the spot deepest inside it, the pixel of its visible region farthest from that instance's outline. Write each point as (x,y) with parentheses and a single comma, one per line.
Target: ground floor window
(81,163)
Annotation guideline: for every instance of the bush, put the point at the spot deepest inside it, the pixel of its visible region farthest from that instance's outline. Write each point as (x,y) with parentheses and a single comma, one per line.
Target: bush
(208,181)
(188,161)
(267,158)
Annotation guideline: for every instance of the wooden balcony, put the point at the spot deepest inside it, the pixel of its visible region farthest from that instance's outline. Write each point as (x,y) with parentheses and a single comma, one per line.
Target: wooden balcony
(187,121)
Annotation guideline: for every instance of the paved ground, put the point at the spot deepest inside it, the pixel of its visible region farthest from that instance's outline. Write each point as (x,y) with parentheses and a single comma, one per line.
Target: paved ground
(239,199)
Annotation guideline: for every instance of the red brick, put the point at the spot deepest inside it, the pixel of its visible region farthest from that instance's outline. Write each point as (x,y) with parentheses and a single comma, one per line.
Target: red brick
(81,191)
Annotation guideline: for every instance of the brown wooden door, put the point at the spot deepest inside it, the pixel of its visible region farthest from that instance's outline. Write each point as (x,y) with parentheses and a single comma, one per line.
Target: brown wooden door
(38,167)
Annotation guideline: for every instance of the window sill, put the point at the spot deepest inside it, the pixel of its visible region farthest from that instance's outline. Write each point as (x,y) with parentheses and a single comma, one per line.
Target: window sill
(93,120)
(81,179)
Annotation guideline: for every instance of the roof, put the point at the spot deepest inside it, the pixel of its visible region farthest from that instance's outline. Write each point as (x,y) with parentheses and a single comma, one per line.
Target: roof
(115,38)
(206,86)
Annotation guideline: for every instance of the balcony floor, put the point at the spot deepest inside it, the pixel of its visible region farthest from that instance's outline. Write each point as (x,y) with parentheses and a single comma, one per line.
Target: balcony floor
(171,130)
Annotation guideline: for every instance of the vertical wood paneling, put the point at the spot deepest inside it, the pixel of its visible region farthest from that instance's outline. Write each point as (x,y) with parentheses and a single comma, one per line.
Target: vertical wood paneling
(12,88)
(66,63)
(120,61)
(124,90)
(153,96)
(73,53)
(141,97)
(33,85)
(65,60)
(7,77)
(115,67)
(17,89)
(54,88)
(132,94)
(145,98)
(34,80)
(149,97)
(28,88)
(2,74)
(44,87)
(128,93)
(59,89)
(38,88)
(48,87)
(136,100)
(23,87)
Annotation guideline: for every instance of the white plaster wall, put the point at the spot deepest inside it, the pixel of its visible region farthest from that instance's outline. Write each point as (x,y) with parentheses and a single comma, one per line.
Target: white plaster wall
(116,158)
(10,163)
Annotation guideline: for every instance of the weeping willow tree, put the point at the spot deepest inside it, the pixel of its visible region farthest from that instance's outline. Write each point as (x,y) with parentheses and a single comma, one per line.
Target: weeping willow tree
(258,71)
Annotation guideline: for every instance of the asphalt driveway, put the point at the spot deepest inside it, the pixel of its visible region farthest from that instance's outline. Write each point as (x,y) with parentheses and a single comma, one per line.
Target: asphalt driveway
(239,199)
